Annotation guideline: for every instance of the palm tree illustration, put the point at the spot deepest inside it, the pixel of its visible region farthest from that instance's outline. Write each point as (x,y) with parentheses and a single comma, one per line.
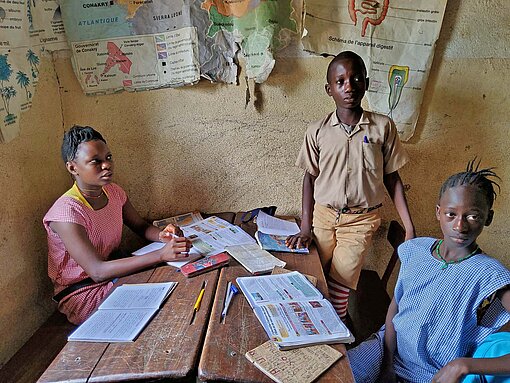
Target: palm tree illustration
(23,81)
(8,92)
(5,74)
(33,60)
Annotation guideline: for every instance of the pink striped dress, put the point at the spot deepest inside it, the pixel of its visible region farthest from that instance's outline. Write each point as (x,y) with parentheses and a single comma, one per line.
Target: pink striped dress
(104,229)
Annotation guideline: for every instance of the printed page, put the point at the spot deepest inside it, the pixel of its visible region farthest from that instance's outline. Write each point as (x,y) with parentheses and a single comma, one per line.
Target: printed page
(299,323)
(254,259)
(277,288)
(193,254)
(300,365)
(179,220)
(210,236)
(272,225)
(112,326)
(138,296)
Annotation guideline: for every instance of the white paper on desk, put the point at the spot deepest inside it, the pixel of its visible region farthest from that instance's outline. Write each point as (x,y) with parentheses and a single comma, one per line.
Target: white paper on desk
(138,296)
(254,259)
(112,326)
(193,254)
(271,225)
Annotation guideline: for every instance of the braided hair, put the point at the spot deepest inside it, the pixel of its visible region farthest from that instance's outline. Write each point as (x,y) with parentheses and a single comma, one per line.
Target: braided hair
(74,137)
(473,176)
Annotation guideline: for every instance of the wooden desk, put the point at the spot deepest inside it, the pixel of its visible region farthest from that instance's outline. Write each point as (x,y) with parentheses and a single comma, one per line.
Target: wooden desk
(168,348)
(225,344)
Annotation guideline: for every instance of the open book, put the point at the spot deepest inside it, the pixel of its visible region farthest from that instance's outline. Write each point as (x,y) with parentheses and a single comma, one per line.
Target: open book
(254,259)
(208,236)
(124,313)
(292,311)
(272,232)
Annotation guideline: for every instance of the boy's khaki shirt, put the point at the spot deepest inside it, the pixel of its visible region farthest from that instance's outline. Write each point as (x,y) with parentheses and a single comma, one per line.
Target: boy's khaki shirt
(350,167)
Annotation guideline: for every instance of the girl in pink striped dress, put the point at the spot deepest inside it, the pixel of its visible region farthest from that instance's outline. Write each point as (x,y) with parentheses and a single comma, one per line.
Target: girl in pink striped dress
(84,228)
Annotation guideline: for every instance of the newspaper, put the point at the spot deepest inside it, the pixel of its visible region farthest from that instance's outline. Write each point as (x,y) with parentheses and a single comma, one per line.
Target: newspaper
(208,236)
(292,311)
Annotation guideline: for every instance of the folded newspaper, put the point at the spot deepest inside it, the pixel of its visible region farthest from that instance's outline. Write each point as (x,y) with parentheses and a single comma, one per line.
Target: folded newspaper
(292,311)
(208,237)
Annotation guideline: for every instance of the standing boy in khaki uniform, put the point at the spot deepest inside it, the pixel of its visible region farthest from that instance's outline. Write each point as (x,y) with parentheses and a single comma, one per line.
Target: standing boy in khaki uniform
(349,158)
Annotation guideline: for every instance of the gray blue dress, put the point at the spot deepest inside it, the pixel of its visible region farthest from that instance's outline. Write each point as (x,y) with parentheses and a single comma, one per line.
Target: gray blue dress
(437,313)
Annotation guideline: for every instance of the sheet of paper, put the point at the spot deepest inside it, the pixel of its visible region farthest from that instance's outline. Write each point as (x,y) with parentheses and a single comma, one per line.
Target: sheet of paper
(179,220)
(272,225)
(112,325)
(194,254)
(138,296)
(253,258)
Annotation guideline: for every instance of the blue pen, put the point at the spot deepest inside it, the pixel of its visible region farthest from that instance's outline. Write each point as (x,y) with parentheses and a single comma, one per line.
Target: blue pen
(231,291)
(365,139)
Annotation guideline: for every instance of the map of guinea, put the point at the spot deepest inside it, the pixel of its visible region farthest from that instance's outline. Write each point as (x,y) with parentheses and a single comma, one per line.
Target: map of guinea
(116,57)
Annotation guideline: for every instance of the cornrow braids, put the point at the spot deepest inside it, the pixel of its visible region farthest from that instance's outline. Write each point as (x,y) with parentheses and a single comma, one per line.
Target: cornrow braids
(473,176)
(74,137)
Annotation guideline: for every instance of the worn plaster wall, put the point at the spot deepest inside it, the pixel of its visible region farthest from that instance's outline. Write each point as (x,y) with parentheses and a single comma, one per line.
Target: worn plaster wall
(202,148)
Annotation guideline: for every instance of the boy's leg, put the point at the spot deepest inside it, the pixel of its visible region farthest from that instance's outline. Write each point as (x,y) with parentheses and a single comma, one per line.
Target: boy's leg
(353,233)
(324,221)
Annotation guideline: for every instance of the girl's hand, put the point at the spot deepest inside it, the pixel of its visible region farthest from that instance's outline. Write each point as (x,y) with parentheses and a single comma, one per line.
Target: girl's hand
(299,240)
(452,372)
(169,232)
(175,248)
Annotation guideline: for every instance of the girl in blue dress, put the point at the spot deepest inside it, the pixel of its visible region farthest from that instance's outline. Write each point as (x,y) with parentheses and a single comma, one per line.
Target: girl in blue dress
(450,297)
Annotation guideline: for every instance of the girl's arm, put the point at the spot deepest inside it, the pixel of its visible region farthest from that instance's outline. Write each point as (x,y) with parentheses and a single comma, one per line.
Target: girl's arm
(77,243)
(141,227)
(390,344)
(395,187)
(458,368)
(304,237)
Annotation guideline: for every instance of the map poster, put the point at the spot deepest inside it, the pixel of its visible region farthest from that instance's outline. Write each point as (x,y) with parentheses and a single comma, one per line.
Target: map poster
(396,39)
(19,72)
(27,27)
(137,62)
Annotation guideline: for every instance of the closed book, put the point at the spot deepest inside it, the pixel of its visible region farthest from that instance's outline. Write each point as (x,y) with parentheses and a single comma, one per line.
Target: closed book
(206,264)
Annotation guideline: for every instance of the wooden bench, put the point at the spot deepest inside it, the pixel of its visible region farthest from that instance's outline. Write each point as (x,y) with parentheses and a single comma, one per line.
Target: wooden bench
(369,303)
(28,364)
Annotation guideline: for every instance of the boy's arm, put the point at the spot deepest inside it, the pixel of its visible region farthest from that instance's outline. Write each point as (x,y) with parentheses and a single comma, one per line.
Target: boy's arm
(395,187)
(390,344)
(304,237)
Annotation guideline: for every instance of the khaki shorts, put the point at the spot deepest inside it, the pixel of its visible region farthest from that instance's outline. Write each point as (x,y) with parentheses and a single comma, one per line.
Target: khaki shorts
(342,243)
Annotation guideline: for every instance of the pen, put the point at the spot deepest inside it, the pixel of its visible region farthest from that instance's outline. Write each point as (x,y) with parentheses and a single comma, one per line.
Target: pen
(231,291)
(365,139)
(196,307)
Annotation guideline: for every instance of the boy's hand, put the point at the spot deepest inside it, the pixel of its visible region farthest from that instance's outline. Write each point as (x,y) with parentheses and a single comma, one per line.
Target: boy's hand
(169,232)
(299,240)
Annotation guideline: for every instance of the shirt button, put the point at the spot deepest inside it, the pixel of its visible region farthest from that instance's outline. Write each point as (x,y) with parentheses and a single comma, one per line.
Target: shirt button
(348,170)
(349,139)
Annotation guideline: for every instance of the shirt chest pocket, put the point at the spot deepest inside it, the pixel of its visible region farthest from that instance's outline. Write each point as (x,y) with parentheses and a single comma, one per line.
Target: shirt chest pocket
(372,156)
